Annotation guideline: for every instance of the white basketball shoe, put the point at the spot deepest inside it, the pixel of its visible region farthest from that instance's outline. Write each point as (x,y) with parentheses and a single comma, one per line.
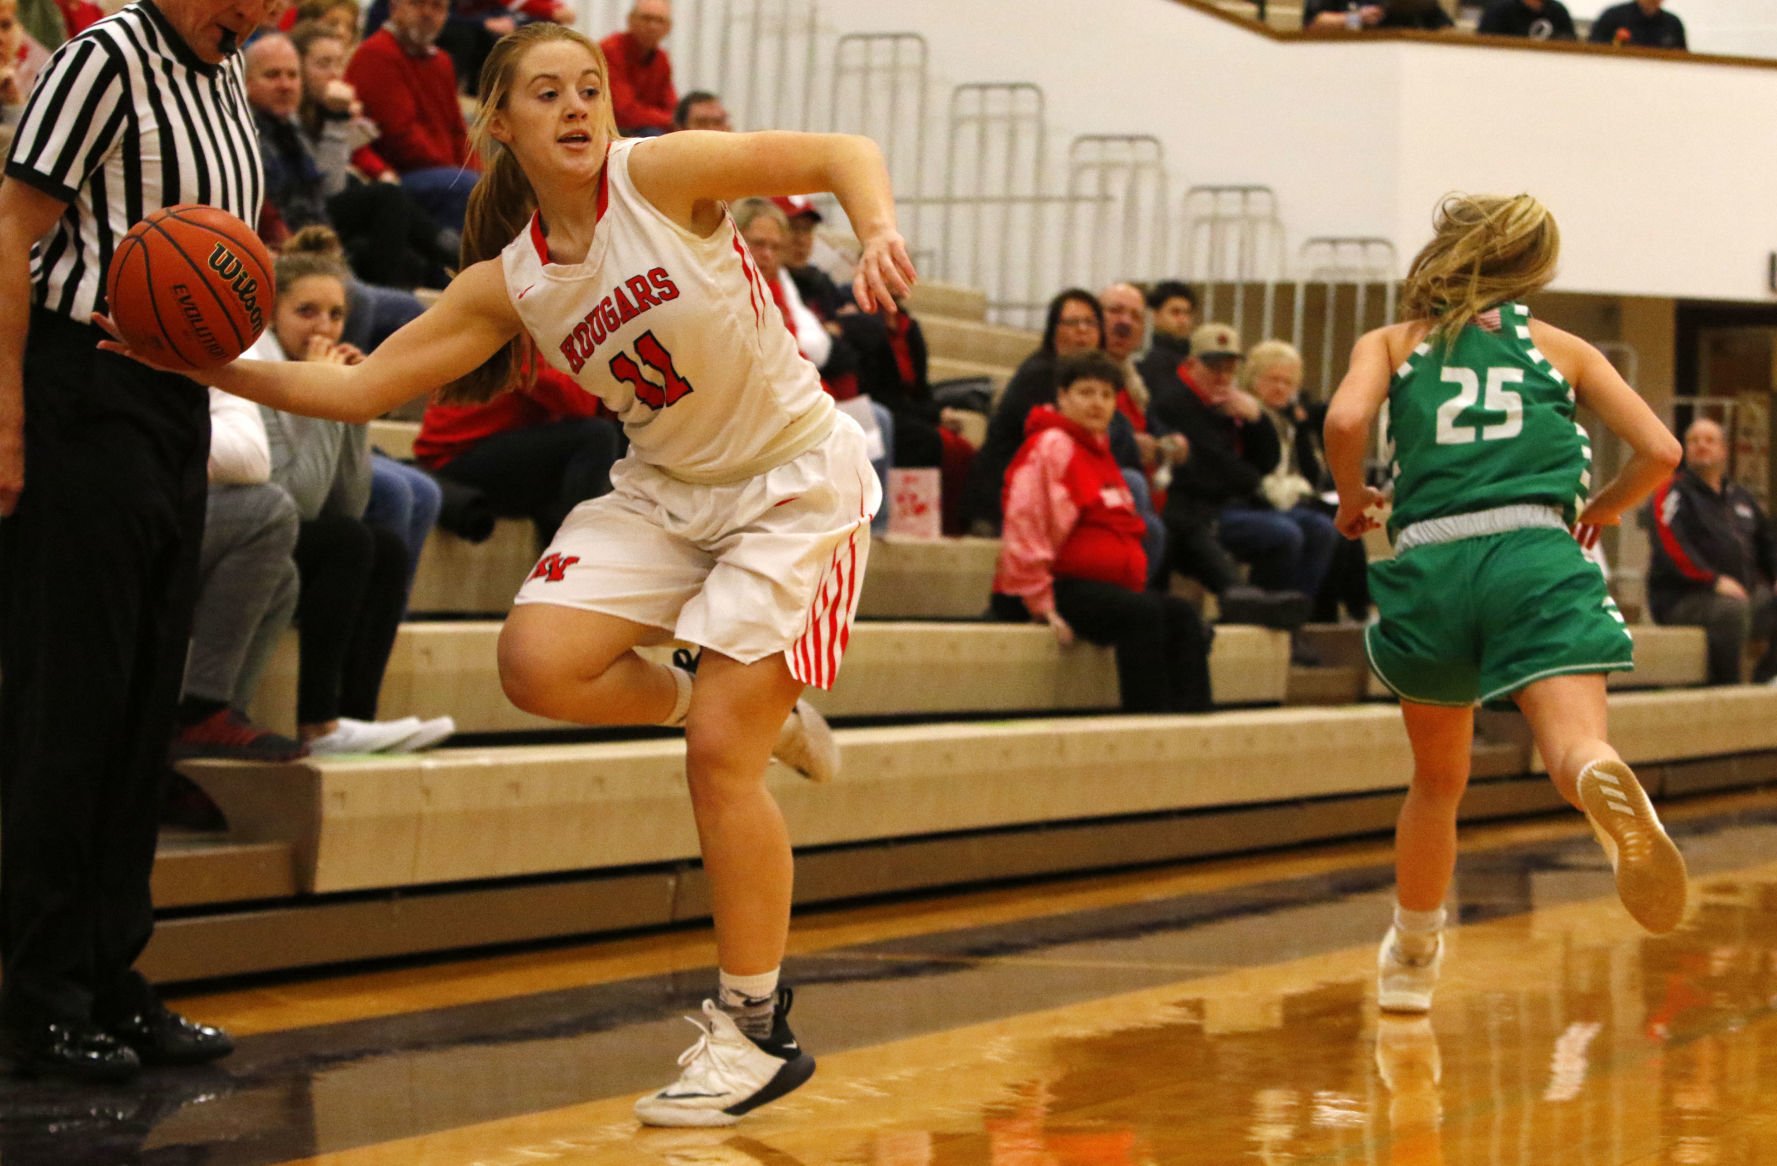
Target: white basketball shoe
(727,1074)
(1404,985)
(1649,869)
(806,744)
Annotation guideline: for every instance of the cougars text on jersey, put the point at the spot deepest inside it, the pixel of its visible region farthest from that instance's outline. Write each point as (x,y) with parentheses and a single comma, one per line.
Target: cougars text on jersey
(614,311)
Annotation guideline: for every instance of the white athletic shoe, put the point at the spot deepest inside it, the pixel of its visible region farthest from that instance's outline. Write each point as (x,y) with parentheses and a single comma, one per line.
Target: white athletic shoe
(1649,869)
(425,735)
(806,744)
(1402,985)
(353,736)
(727,1075)
(1407,1054)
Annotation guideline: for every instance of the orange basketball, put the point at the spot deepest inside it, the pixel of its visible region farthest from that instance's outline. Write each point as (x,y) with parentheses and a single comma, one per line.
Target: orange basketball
(190,287)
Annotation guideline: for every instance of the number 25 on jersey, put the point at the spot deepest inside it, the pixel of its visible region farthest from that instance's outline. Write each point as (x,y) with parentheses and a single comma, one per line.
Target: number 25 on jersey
(1496,398)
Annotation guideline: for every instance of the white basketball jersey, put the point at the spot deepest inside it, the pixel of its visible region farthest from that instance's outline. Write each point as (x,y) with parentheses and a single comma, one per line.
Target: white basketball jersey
(677,335)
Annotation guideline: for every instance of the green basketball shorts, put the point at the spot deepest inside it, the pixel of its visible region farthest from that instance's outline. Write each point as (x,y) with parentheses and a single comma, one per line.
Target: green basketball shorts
(1480,618)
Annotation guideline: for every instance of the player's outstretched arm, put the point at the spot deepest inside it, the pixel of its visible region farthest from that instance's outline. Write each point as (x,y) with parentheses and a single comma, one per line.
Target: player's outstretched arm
(684,173)
(1350,417)
(469,323)
(1654,451)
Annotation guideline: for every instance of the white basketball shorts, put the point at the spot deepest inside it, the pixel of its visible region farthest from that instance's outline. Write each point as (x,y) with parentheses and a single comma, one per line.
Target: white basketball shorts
(771,564)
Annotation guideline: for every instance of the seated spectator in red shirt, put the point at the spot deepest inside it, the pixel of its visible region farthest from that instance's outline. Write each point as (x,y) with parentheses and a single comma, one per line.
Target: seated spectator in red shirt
(535,452)
(642,94)
(1071,554)
(701,110)
(409,89)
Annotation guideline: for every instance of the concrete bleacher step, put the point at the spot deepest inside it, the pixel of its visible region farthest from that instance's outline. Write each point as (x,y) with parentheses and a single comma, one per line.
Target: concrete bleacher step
(461,814)
(394,436)
(1311,684)
(192,869)
(991,344)
(906,579)
(891,670)
(940,369)
(949,300)
(1665,657)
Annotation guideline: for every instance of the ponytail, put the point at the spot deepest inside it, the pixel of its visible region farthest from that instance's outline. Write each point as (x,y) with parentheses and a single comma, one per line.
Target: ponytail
(1485,250)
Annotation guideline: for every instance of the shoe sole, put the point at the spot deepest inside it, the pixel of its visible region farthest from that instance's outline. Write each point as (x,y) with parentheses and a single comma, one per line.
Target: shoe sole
(1650,872)
(794,1074)
(1403,1003)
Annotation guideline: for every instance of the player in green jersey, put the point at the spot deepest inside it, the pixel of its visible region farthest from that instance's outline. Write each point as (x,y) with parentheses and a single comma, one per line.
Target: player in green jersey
(1490,596)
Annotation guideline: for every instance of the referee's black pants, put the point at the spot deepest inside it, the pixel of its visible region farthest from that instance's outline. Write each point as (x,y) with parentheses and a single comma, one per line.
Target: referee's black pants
(98,576)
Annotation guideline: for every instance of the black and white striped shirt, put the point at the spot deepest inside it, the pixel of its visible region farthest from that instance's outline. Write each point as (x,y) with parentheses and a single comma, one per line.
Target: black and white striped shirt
(123,120)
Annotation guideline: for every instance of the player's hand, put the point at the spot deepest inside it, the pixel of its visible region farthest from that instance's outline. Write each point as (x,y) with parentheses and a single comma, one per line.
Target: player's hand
(1064,635)
(121,347)
(1586,534)
(1354,518)
(885,272)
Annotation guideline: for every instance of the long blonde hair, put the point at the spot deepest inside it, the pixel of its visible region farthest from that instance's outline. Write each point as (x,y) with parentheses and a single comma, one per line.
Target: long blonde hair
(1485,249)
(502,202)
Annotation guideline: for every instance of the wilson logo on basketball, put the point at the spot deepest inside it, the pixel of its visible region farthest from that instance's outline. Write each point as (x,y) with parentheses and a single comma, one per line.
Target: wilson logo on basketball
(228,265)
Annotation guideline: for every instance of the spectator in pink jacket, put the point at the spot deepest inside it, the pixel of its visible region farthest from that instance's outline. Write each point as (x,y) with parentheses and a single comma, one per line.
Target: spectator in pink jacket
(1071,551)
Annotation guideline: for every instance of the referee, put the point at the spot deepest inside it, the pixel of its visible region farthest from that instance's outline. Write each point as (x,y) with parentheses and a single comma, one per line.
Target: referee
(102,490)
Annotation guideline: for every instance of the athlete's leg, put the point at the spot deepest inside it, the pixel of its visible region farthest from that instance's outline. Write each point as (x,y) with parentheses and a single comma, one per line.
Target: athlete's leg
(581,666)
(1567,718)
(1425,833)
(737,713)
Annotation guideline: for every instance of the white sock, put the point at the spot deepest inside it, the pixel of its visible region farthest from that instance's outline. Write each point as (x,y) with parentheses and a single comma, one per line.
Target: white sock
(1416,932)
(750,1000)
(682,701)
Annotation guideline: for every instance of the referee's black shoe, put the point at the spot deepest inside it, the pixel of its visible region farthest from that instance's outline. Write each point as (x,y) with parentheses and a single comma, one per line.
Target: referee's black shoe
(160,1036)
(72,1050)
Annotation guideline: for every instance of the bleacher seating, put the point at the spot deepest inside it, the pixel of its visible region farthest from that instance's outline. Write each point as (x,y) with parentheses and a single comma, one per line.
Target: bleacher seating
(973,750)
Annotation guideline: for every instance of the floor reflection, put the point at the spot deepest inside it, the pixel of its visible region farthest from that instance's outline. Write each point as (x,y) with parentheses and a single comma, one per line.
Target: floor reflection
(1238,1027)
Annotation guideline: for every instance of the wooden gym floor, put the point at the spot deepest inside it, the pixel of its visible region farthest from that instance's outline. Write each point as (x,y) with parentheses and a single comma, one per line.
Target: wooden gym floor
(1220,1012)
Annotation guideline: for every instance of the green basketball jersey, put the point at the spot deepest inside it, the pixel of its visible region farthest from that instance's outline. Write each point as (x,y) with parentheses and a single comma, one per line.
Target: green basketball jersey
(1482,422)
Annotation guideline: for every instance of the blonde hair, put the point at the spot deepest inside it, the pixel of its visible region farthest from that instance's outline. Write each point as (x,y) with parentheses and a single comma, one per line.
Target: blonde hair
(503,199)
(1485,249)
(748,209)
(313,250)
(1264,355)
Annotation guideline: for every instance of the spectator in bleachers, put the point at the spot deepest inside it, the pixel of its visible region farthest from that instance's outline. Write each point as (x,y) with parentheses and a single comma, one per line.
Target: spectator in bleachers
(390,241)
(13,51)
(1298,486)
(1428,15)
(642,94)
(1125,325)
(1535,19)
(766,230)
(1217,489)
(1075,323)
(1643,23)
(354,574)
(1174,308)
(345,17)
(701,110)
(409,89)
(1072,553)
(535,451)
(1714,558)
(246,593)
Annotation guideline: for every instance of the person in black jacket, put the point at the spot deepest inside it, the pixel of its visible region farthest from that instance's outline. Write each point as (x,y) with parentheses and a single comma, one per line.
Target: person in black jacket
(1535,19)
(1714,558)
(1233,447)
(1639,22)
(1075,324)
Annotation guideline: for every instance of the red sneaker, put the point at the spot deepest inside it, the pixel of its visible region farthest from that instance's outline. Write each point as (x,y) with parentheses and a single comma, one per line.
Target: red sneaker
(228,734)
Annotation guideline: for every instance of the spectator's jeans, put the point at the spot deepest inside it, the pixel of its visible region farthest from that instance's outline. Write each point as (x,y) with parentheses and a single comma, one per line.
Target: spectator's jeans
(405,500)
(1727,624)
(1288,550)
(248,591)
(353,593)
(1162,646)
(376,313)
(443,191)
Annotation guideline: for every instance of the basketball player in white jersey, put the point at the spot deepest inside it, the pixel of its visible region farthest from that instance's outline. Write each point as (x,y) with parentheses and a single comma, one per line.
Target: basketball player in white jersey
(740,519)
